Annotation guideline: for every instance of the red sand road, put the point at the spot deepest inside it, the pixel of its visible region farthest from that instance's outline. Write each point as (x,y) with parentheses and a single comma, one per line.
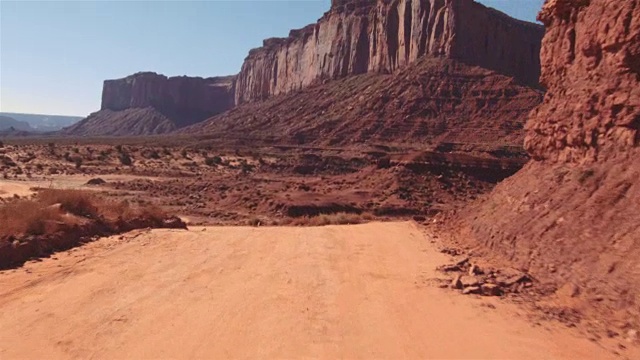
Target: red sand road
(355,292)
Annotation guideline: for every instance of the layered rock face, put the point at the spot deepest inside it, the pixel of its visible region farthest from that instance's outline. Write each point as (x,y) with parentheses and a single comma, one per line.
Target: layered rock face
(147,103)
(358,36)
(189,99)
(591,68)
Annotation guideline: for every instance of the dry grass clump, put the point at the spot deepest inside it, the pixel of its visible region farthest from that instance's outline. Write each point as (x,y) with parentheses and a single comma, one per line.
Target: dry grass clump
(48,211)
(332,219)
(28,217)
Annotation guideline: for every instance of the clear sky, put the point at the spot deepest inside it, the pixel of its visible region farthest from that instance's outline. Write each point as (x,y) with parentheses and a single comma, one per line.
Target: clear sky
(54,55)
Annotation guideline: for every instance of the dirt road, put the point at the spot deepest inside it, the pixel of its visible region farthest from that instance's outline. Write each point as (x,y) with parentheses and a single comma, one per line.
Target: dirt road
(355,292)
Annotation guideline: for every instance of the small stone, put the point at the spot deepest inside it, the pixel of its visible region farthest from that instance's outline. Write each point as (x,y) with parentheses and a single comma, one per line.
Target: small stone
(632,335)
(474,270)
(471,290)
(449,268)
(462,261)
(612,333)
(456,283)
(491,290)
(469,281)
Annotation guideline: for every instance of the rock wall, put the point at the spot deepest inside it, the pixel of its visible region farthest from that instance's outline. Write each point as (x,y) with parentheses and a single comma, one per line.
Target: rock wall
(570,217)
(184,99)
(591,68)
(358,36)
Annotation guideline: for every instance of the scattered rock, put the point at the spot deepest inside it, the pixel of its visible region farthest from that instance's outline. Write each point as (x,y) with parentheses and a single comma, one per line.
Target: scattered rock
(456,283)
(449,268)
(471,290)
(469,281)
(474,270)
(568,290)
(462,261)
(491,290)
(451,251)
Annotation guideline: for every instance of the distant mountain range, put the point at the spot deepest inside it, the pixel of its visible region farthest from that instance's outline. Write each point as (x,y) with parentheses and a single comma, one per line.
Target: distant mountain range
(36,122)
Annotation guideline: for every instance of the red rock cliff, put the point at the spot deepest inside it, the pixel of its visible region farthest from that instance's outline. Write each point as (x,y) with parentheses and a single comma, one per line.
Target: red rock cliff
(187,99)
(358,36)
(591,67)
(570,217)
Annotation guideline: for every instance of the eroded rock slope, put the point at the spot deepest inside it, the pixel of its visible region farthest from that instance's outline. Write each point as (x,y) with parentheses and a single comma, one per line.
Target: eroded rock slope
(432,101)
(571,216)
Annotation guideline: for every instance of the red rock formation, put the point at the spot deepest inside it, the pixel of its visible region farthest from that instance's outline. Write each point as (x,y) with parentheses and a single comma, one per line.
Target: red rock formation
(185,99)
(430,101)
(147,103)
(358,36)
(591,67)
(570,217)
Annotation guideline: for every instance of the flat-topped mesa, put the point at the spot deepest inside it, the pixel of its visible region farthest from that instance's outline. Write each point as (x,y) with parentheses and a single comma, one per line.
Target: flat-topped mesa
(195,98)
(359,36)
(591,67)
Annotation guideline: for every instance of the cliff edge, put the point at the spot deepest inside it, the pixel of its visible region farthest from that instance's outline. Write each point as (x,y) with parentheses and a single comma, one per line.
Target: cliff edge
(359,36)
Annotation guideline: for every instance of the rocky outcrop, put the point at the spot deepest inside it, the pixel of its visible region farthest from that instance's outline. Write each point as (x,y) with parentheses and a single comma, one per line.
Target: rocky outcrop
(188,99)
(359,36)
(147,103)
(591,68)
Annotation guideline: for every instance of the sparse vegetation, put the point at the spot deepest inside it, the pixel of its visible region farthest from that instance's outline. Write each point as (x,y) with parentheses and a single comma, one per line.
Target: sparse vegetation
(332,219)
(212,161)
(73,213)
(586,174)
(125,159)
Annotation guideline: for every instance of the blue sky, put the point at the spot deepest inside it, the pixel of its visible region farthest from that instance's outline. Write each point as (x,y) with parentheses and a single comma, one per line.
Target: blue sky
(54,55)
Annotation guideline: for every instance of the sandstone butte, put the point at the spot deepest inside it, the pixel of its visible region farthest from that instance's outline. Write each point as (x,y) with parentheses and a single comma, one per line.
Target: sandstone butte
(353,37)
(570,216)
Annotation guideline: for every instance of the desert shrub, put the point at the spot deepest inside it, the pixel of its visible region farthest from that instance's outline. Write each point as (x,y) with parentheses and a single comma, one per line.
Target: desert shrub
(152,154)
(254,222)
(118,148)
(27,217)
(76,150)
(7,161)
(77,202)
(78,162)
(184,153)
(125,159)
(211,161)
(44,214)
(332,219)
(586,174)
